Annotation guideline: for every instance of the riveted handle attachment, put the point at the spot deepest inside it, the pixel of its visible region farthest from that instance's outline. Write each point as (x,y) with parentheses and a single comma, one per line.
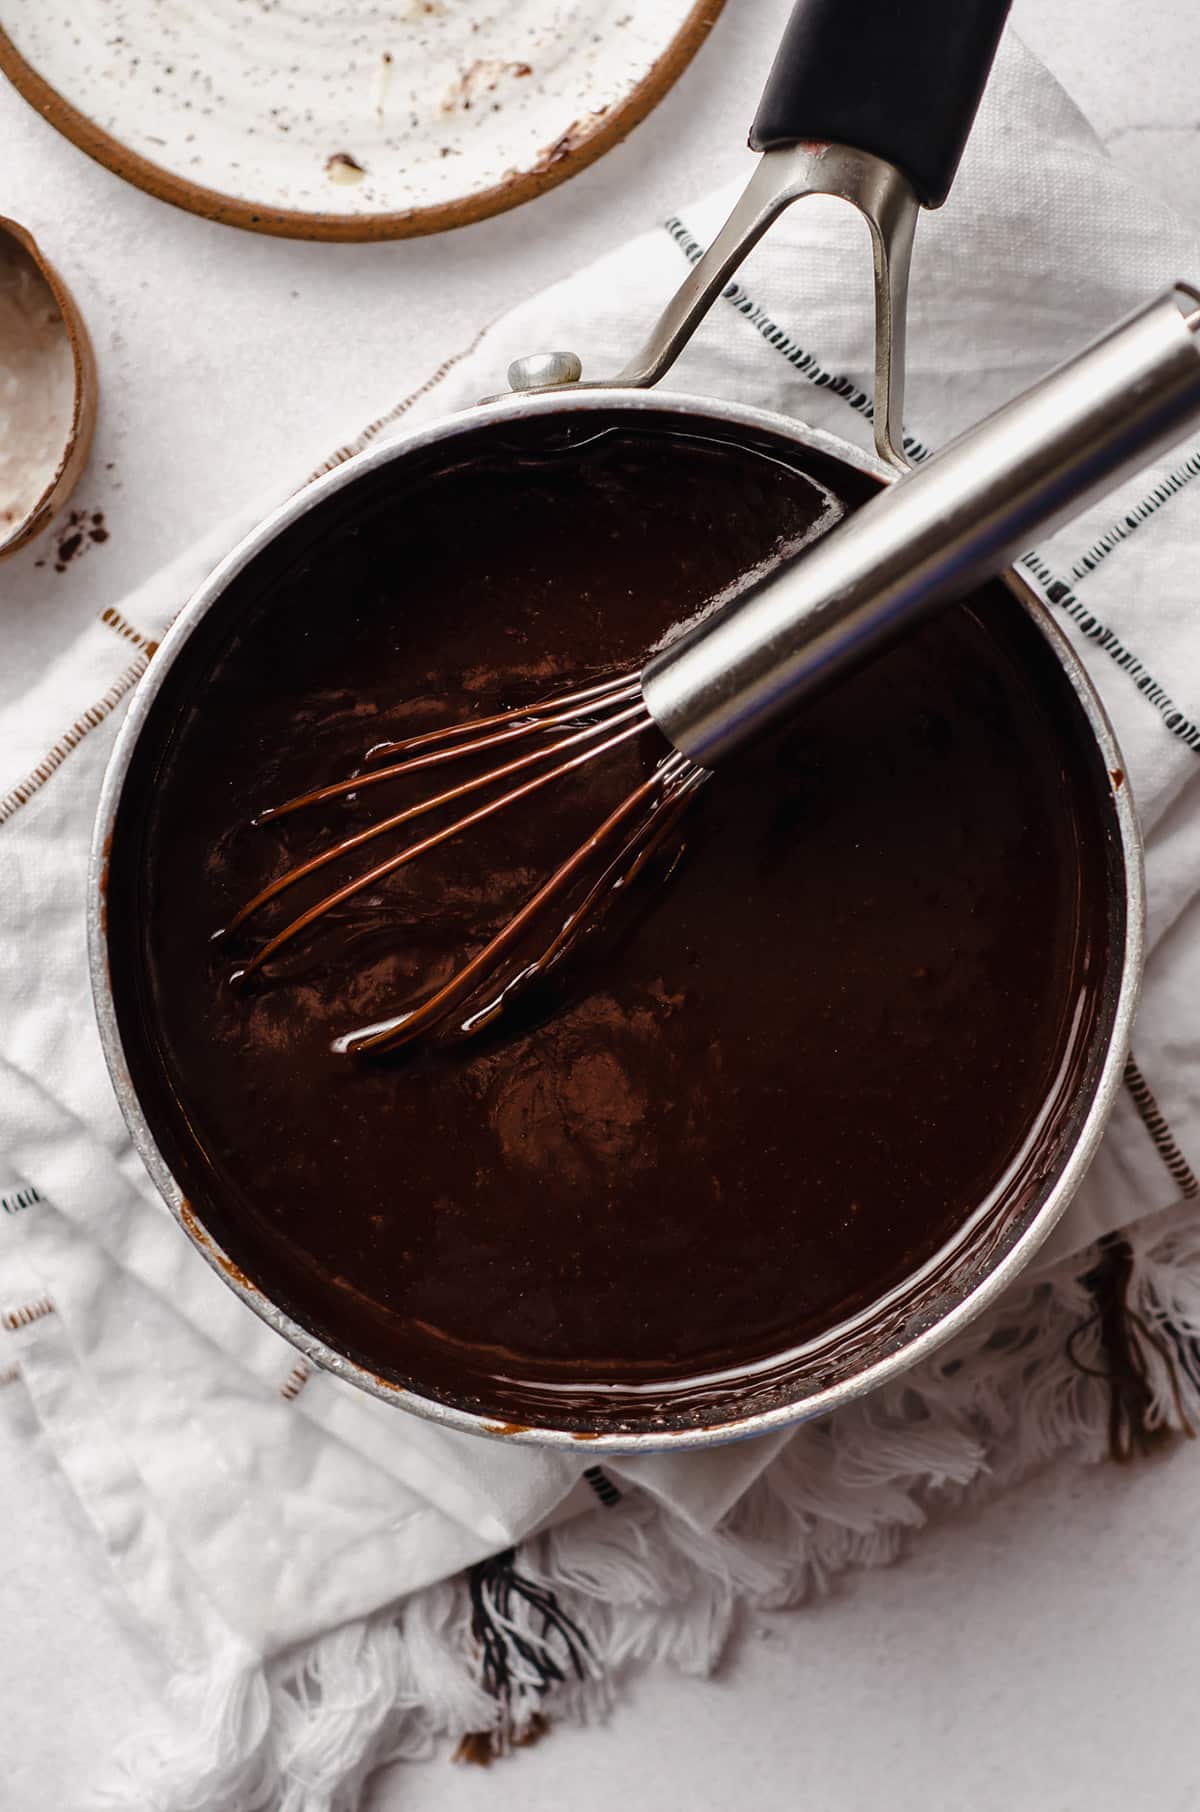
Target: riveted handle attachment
(899,78)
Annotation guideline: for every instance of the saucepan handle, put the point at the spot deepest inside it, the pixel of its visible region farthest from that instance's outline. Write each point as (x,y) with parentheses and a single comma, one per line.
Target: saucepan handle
(926,540)
(899,78)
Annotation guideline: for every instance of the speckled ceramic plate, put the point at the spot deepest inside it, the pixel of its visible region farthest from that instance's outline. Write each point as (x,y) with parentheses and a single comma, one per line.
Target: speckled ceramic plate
(347,119)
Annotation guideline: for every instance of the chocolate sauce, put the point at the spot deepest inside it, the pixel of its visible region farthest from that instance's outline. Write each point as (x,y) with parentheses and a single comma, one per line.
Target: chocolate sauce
(777,1078)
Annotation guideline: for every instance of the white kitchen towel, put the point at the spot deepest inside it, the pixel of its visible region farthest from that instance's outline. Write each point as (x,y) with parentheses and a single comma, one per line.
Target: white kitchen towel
(261,1518)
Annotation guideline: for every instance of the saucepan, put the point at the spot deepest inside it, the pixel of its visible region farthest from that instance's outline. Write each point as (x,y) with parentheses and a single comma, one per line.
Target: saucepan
(871,103)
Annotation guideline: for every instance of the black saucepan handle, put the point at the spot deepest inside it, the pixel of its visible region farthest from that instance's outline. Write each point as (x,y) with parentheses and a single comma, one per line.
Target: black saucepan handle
(901,78)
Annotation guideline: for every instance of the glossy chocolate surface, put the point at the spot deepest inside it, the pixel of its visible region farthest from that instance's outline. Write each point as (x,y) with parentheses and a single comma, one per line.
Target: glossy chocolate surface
(774,1081)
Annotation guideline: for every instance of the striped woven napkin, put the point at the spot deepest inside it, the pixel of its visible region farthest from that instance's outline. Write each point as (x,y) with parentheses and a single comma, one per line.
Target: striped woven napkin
(299,1551)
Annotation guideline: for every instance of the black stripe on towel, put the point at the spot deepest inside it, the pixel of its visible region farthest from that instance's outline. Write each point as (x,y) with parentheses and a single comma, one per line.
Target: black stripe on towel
(1060,593)
(796,356)
(1164,1142)
(19,1199)
(1141,512)
(603,1486)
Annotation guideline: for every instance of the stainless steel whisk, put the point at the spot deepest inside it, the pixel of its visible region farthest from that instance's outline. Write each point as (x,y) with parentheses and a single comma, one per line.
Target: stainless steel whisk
(571,728)
(923,541)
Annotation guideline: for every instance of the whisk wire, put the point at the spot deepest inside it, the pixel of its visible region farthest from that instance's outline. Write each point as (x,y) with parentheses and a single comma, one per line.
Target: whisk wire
(347,845)
(578,726)
(640,719)
(613,696)
(405,1027)
(580,698)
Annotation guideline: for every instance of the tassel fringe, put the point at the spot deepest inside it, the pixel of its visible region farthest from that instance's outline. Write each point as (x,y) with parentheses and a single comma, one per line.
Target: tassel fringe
(528,1646)
(1133,1348)
(1080,1363)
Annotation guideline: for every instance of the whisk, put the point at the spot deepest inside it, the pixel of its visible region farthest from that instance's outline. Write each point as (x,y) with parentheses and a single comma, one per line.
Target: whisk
(570,729)
(921,542)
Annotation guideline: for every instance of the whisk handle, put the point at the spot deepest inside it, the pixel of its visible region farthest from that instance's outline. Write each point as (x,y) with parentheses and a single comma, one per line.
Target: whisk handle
(926,539)
(900,78)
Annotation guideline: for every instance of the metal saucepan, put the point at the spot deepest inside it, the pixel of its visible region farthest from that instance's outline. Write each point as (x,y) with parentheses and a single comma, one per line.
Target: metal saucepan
(829,123)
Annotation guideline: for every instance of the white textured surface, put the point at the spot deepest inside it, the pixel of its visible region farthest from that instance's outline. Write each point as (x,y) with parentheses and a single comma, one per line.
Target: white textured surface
(1034,1658)
(1037,1656)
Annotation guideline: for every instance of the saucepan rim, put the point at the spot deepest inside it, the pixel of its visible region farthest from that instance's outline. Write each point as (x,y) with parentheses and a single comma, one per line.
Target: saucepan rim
(912,1348)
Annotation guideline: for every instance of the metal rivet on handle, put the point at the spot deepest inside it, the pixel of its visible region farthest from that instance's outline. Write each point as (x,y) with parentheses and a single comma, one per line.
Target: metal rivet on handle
(545,371)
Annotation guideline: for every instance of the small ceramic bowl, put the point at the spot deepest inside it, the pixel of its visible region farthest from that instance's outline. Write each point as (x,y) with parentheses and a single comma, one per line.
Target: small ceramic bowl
(48,390)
